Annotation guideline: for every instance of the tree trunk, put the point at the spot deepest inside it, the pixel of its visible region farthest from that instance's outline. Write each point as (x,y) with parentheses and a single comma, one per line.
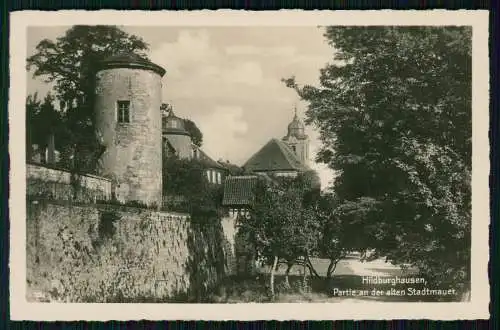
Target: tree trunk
(310,266)
(289,267)
(273,268)
(304,279)
(331,268)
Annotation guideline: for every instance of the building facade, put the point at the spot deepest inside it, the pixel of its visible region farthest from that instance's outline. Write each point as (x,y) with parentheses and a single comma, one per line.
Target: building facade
(176,141)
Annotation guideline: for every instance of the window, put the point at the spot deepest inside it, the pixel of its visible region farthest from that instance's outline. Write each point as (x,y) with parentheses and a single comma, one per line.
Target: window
(208,176)
(213,177)
(294,149)
(123,108)
(218,178)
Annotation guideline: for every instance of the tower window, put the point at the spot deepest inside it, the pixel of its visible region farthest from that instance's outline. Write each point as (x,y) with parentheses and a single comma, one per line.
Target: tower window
(123,108)
(294,149)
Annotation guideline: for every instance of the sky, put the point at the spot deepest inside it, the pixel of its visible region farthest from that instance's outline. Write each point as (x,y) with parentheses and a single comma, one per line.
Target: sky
(228,81)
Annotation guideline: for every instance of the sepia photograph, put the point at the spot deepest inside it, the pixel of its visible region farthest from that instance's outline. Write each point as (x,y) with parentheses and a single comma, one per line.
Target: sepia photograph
(224,165)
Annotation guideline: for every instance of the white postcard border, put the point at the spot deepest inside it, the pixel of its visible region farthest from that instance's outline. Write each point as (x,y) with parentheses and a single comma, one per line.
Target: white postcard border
(477,308)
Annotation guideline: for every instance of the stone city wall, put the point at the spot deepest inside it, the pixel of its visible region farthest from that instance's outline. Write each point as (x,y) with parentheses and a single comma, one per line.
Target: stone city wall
(117,254)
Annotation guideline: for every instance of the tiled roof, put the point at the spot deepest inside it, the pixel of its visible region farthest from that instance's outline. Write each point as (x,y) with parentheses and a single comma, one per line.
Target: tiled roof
(274,156)
(239,190)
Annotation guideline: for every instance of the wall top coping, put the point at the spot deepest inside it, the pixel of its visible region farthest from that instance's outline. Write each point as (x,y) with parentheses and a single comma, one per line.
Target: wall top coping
(56,168)
(100,206)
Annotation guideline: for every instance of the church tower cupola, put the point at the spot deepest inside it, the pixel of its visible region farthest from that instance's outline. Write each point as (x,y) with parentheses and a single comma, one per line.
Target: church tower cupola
(296,127)
(297,140)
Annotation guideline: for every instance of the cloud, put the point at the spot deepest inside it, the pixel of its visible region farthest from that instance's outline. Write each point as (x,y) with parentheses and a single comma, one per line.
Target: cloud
(242,50)
(248,73)
(234,91)
(228,81)
(197,68)
(251,50)
(224,131)
(326,174)
(190,46)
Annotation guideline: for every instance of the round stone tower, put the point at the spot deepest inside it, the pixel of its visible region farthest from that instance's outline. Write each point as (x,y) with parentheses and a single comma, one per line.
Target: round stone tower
(128,120)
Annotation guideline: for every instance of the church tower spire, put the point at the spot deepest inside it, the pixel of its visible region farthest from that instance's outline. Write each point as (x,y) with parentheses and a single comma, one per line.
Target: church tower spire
(296,138)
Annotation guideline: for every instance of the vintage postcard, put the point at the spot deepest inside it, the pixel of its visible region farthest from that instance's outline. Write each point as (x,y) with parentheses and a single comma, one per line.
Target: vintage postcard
(234,165)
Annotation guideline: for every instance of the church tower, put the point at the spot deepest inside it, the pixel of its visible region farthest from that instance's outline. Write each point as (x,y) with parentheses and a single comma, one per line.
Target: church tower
(297,140)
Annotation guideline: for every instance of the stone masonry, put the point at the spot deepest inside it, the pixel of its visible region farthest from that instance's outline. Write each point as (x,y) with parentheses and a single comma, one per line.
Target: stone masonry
(133,150)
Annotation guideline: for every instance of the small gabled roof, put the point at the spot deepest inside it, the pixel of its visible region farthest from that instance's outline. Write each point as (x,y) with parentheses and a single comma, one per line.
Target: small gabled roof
(233,169)
(239,190)
(206,160)
(275,155)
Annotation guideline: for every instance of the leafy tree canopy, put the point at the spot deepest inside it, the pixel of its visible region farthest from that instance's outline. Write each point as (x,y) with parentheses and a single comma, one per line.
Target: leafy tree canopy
(280,223)
(69,63)
(394,115)
(194,131)
(42,119)
(186,186)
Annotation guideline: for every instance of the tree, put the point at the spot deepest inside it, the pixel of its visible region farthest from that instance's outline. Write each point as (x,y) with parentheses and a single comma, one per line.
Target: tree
(280,227)
(342,228)
(42,120)
(307,187)
(69,63)
(186,185)
(394,115)
(189,125)
(33,105)
(194,131)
